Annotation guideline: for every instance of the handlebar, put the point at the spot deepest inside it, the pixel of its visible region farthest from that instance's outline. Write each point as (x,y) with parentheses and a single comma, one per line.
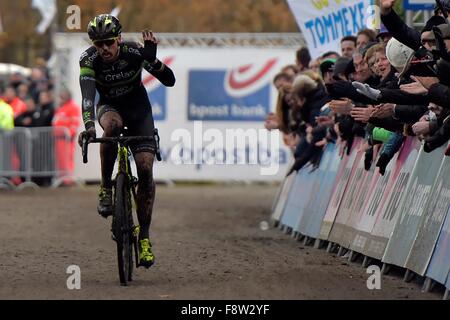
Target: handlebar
(121,140)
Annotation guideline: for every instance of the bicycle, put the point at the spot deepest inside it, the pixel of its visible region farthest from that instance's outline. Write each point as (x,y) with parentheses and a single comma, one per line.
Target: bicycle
(124,232)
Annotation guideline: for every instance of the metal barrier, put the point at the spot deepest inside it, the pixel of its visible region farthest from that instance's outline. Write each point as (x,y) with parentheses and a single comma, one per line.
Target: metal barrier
(30,157)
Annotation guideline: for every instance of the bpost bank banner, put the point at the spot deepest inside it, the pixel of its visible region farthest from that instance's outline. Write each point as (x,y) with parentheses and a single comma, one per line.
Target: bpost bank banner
(324,22)
(212,122)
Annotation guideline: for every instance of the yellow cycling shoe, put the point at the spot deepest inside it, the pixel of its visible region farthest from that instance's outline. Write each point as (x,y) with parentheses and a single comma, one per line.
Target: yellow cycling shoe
(146,257)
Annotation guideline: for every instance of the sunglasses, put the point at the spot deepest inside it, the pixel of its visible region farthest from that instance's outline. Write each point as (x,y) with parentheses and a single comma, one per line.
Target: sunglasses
(108,42)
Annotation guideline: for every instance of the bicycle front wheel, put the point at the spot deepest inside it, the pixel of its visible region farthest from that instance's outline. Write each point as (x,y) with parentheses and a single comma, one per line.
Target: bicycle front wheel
(123,230)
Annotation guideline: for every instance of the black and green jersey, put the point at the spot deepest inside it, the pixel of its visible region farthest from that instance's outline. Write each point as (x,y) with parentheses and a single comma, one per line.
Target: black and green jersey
(119,81)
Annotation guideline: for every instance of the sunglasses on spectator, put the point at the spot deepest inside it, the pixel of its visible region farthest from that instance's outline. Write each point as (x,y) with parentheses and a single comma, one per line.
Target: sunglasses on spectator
(108,42)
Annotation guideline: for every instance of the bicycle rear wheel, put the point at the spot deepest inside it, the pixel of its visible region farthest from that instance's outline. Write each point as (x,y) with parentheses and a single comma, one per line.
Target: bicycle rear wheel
(123,230)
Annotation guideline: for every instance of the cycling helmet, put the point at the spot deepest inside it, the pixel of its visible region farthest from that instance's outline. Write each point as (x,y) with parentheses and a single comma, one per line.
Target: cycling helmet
(104,27)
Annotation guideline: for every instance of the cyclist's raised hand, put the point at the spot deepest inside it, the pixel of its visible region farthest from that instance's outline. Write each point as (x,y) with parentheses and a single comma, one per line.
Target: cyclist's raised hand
(89,134)
(150,46)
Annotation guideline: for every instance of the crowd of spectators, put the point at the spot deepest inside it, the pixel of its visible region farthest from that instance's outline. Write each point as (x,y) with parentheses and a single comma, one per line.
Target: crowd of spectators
(381,87)
(31,103)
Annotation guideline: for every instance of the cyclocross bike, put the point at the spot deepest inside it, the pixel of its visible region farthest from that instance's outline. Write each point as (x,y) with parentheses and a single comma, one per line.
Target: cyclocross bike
(124,232)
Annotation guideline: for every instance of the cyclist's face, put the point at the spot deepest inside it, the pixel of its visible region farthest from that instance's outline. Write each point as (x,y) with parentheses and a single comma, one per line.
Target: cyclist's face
(108,49)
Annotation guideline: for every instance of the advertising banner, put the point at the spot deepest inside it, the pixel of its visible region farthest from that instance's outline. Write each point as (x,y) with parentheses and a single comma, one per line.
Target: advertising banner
(317,205)
(340,230)
(411,210)
(294,206)
(439,266)
(432,221)
(282,198)
(364,225)
(211,122)
(324,22)
(339,190)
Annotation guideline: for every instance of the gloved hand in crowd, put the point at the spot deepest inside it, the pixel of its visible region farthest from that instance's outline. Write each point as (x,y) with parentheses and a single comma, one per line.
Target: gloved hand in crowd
(366,90)
(89,134)
(150,46)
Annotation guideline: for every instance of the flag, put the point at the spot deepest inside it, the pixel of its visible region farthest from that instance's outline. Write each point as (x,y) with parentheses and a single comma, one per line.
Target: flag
(48,11)
(116,11)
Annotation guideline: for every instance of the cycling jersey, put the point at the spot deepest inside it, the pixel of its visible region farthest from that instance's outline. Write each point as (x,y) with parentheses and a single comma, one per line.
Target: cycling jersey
(118,82)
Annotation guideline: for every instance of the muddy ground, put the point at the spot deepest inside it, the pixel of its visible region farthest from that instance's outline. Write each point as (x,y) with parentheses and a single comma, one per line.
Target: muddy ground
(207,241)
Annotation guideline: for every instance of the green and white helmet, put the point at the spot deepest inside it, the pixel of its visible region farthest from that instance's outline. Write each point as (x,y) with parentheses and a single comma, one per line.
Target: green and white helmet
(104,27)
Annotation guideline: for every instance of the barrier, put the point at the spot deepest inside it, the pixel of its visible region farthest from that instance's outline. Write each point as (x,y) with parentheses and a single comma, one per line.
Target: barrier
(281,199)
(412,207)
(401,218)
(341,230)
(298,196)
(431,222)
(35,155)
(321,193)
(366,222)
(438,267)
(342,178)
(386,212)
(342,191)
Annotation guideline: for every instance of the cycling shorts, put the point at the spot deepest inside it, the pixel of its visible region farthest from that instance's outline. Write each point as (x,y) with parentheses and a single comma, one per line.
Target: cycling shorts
(137,117)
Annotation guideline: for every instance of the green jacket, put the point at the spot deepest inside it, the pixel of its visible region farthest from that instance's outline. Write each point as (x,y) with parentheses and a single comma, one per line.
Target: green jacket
(6,116)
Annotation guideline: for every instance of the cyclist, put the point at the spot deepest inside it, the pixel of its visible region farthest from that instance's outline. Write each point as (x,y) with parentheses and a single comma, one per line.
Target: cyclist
(113,68)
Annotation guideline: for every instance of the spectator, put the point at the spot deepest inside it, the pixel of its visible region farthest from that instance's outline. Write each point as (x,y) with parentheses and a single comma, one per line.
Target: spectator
(66,116)
(330,55)
(384,35)
(348,46)
(291,70)
(23,91)
(314,65)
(364,37)
(15,80)
(38,83)
(327,70)
(6,124)
(46,109)
(303,58)
(14,101)
(282,79)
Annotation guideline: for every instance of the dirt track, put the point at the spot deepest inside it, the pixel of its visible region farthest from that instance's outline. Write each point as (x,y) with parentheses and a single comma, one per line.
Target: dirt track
(207,243)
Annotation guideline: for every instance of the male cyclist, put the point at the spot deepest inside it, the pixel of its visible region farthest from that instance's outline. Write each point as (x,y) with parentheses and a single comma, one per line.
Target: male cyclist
(113,68)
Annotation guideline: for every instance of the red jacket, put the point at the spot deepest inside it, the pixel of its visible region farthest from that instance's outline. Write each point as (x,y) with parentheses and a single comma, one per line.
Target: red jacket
(18,106)
(68,116)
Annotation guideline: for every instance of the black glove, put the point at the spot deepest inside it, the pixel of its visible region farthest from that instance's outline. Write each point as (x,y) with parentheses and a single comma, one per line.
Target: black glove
(89,134)
(150,46)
